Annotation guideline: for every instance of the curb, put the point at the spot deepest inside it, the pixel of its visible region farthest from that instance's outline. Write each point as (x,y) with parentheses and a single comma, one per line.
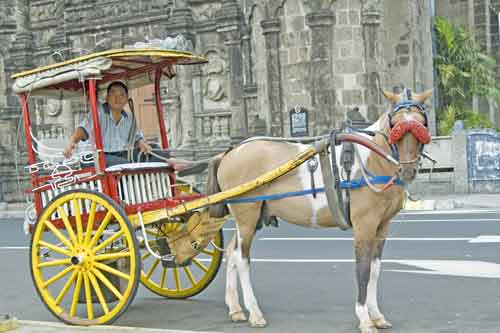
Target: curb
(29,326)
(8,323)
(12,214)
(444,204)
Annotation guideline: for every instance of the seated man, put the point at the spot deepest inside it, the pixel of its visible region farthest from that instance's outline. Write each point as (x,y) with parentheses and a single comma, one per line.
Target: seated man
(118,129)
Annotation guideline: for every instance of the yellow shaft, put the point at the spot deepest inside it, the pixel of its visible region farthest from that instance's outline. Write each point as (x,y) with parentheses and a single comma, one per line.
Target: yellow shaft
(152,217)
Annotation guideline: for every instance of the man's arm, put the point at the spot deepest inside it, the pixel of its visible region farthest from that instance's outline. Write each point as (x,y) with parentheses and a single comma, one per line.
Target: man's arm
(78,135)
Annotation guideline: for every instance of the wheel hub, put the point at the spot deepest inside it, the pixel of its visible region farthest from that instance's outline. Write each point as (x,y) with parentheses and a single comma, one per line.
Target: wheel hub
(77,260)
(82,258)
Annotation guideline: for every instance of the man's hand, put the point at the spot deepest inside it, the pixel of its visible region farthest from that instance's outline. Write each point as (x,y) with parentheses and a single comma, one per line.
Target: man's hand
(144,147)
(68,150)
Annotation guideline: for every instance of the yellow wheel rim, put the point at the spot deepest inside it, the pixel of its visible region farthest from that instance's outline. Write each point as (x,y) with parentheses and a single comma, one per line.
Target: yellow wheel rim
(180,282)
(84,258)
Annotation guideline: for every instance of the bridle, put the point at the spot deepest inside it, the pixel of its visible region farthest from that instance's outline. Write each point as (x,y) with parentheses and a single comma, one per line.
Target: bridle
(399,129)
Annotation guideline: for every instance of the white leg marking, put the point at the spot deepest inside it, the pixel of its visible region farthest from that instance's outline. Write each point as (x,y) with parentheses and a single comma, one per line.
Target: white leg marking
(376,316)
(371,299)
(256,318)
(232,297)
(365,323)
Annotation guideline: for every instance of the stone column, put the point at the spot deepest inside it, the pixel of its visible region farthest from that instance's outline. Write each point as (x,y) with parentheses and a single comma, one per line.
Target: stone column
(322,89)
(171,112)
(7,29)
(58,42)
(247,56)
(19,58)
(185,74)
(271,31)
(21,50)
(461,171)
(371,16)
(182,22)
(229,27)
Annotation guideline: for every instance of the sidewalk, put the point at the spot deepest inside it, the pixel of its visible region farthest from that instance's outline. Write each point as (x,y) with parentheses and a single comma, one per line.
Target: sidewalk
(430,202)
(455,202)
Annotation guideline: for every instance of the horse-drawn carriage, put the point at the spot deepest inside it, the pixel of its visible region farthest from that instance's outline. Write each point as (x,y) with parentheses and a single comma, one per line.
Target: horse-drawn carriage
(97,230)
(87,255)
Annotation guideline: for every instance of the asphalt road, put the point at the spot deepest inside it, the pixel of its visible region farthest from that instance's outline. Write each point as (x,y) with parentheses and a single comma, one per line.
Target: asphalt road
(441,273)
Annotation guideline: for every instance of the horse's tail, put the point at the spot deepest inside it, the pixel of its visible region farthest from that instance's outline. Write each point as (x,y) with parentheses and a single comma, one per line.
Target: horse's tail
(220,209)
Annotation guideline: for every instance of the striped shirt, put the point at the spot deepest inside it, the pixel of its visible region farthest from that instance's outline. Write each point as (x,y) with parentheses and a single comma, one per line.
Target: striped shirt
(115,137)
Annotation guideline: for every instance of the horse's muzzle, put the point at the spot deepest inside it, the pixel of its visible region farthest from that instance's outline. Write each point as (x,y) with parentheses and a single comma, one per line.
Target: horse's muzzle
(408,174)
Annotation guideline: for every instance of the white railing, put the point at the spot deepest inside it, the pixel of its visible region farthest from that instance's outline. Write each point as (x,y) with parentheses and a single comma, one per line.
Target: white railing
(145,187)
(48,195)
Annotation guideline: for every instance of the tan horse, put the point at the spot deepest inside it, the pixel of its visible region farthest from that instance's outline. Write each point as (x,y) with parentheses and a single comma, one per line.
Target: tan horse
(371,213)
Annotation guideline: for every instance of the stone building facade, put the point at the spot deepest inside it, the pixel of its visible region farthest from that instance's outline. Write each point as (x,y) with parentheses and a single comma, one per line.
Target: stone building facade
(267,57)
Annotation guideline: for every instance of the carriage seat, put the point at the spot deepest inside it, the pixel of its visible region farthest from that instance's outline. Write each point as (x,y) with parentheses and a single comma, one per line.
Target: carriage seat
(182,167)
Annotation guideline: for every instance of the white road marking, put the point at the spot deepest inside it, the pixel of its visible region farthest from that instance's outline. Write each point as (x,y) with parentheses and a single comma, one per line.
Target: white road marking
(351,238)
(445,220)
(14,247)
(486,239)
(451,212)
(467,268)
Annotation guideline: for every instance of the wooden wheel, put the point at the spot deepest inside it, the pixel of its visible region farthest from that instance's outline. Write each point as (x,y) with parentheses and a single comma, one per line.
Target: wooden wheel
(179,282)
(84,258)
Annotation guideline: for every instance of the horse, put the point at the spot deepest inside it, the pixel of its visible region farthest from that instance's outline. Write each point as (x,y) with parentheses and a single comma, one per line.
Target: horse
(402,131)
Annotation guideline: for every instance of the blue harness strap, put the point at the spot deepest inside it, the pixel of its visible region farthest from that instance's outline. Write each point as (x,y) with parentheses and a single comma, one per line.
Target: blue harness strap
(353,184)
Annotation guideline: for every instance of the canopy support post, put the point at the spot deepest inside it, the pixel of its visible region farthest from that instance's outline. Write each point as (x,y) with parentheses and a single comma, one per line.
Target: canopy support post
(159,108)
(29,147)
(100,164)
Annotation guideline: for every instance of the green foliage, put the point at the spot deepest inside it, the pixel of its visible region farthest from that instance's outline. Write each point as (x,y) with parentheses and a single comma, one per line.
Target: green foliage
(471,119)
(463,72)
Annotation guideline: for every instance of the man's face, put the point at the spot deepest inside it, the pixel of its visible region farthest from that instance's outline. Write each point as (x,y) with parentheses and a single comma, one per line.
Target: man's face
(117,98)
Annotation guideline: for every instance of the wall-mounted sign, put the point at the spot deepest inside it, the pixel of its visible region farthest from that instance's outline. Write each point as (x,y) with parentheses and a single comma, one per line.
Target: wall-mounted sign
(299,122)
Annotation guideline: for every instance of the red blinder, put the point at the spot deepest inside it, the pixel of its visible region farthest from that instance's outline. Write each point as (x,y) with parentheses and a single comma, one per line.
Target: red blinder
(419,131)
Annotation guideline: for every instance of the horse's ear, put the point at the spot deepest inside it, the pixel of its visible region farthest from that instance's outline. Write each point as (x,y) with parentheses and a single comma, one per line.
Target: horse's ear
(391,97)
(421,98)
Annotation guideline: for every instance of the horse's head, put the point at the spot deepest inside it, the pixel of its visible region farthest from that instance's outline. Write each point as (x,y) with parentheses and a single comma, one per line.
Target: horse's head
(407,129)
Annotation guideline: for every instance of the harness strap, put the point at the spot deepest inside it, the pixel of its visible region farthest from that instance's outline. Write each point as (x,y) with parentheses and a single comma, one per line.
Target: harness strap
(353,184)
(332,186)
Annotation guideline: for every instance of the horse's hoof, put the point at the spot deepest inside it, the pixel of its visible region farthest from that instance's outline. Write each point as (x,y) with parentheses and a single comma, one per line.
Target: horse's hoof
(382,323)
(257,322)
(368,329)
(238,317)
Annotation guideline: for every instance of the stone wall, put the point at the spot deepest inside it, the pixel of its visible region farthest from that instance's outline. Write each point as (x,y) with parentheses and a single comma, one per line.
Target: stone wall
(267,57)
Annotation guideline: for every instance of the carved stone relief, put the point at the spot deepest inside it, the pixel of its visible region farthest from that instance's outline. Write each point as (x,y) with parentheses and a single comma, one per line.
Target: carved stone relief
(214,85)
(317,5)
(54,107)
(41,13)
(371,5)
(206,11)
